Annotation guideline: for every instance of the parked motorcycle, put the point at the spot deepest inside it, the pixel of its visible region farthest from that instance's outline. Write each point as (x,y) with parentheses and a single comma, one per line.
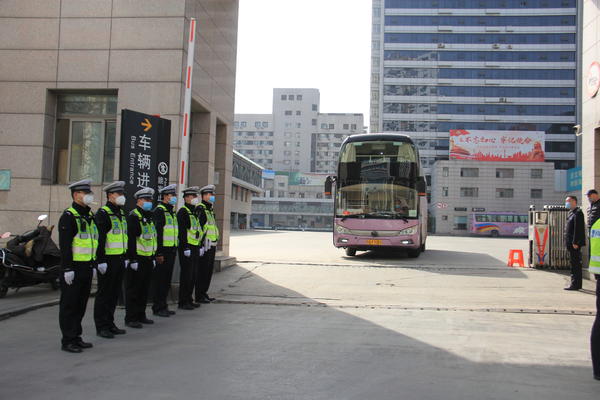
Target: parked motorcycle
(30,259)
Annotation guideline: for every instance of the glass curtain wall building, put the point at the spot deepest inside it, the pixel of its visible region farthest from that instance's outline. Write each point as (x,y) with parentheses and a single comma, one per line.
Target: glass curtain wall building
(439,65)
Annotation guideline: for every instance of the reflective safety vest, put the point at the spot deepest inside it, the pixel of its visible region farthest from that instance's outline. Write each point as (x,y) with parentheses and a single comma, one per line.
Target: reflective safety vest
(85,241)
(194,232)
(116,237)
(211,230)
(146,242)
(595,248)
(171,229)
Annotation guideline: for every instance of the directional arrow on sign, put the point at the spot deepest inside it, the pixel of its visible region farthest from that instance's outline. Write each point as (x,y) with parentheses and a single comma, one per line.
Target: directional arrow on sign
(146,124)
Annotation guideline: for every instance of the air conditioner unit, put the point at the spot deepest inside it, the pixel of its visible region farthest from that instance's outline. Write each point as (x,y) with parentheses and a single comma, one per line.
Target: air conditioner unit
(441,45)
(510,46)
(503,100)
(496,46)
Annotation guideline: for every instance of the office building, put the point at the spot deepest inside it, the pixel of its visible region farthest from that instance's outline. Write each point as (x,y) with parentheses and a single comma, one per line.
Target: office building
(246,184)
(296,137)
(461,188)
(68,68)
(485,65)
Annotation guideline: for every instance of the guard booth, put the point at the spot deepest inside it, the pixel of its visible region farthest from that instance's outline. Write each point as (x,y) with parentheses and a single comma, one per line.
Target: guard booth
(546,243)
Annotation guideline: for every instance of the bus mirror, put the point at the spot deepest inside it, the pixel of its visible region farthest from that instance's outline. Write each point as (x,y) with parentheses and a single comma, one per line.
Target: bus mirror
(421,186)
(329,185)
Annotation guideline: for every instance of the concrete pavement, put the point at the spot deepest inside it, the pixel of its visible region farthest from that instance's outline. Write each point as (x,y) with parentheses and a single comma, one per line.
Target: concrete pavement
(305,322)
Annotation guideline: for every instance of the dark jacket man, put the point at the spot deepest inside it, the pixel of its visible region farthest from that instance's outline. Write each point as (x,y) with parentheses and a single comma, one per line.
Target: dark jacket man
(593,212)
(574,236)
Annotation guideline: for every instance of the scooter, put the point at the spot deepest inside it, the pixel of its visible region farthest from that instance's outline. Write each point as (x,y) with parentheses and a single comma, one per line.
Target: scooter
(30,259)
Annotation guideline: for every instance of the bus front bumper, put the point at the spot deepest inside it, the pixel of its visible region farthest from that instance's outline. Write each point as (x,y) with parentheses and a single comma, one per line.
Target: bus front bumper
(373,243)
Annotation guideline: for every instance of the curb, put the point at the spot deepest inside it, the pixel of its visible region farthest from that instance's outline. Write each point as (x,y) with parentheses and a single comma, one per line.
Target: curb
(23,310)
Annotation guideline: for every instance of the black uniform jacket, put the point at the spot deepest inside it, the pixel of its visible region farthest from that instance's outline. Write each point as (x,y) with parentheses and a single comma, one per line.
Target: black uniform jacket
(67,229)
(159,222)
(183,221)
(134,230)
(104,225)
(593,213)
(575,229)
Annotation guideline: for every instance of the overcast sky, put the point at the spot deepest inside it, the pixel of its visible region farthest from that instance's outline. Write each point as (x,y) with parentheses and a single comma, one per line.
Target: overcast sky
(323,44)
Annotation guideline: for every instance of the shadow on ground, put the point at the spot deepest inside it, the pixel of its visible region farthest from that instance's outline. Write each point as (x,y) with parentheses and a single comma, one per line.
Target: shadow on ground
(255,351)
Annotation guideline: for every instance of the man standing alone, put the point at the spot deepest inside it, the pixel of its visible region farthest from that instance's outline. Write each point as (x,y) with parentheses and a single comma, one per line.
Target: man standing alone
(574,240)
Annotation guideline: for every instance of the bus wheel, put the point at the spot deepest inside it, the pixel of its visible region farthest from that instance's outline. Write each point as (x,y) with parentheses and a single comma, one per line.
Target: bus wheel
(350,252)
(414,253)
(495,234)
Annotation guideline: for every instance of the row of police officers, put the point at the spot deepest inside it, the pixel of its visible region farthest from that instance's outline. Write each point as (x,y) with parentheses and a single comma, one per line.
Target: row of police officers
(138,248)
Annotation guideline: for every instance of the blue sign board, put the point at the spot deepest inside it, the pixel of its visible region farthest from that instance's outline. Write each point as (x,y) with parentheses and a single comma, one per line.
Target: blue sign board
(5,179)
(574,179)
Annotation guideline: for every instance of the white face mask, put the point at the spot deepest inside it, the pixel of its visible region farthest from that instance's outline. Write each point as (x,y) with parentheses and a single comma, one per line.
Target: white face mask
(88,199)
(195,201)
(120,201)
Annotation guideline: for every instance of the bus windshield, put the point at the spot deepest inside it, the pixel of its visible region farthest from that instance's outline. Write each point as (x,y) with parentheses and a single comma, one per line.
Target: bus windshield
(377,180)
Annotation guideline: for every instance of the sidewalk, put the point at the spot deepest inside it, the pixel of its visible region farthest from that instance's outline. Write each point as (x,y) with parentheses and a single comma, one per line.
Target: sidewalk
(27,299)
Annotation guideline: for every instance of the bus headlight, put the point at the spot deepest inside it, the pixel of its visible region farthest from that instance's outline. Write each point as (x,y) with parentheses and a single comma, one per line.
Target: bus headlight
(408,231)
(341,229)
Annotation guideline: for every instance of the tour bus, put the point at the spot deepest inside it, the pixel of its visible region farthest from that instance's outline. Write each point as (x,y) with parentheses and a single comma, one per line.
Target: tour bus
(380,200)
(499,224)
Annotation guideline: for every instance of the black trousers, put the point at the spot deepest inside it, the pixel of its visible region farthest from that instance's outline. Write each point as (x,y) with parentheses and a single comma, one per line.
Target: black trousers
(595,339)
(137,284)
(109,286)
(73,302)
(188,267)
(163,273)
(205,273)
(576,265)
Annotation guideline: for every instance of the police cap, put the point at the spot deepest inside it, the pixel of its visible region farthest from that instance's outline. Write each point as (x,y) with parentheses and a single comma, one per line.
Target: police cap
(84,185)
(145,193)
(171,189)
(118,186)
(191,190)
(208,189)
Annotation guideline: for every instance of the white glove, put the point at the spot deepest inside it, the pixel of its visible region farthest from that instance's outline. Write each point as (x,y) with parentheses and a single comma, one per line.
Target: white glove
(207,243)
(187,253)
(201,251)
(69,277)
(134,266)
(126,264)
(102,267)
(94,273)
(153,263)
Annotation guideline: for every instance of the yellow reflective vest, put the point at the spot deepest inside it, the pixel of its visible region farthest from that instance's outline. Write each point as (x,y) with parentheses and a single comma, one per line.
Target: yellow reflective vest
(85,241)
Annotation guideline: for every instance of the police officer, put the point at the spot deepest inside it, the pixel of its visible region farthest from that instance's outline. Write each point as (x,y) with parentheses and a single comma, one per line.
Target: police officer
(574,240)
(190,238)
(165,221)
(78,240)
(112,249)
(595,269)
(206,215)
(593,212)
(141,249)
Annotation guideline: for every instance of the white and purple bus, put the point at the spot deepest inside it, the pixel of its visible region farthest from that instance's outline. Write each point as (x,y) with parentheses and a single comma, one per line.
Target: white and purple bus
(380,200)
(500,224)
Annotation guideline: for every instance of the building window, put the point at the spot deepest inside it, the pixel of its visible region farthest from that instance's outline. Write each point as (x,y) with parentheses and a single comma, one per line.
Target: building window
(537,193)
(469,172)
(505,173)
(298,112)
(323,126)
(299,97)
(445,191)
(314,122)
(353,127)
(298,125)
(536,173)
(236,124)
(291,97)
(288,112)
(460,223)
(281,184)
(315,107)
(331,126)
(287,144)
(283,97)
(243,124)
(346,127)
(257,124)
(444,218)
(85,138)
(445,171)
(504,193)
(469,192)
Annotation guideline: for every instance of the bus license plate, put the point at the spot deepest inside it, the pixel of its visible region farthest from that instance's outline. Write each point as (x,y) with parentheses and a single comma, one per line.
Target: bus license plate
(373,242)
